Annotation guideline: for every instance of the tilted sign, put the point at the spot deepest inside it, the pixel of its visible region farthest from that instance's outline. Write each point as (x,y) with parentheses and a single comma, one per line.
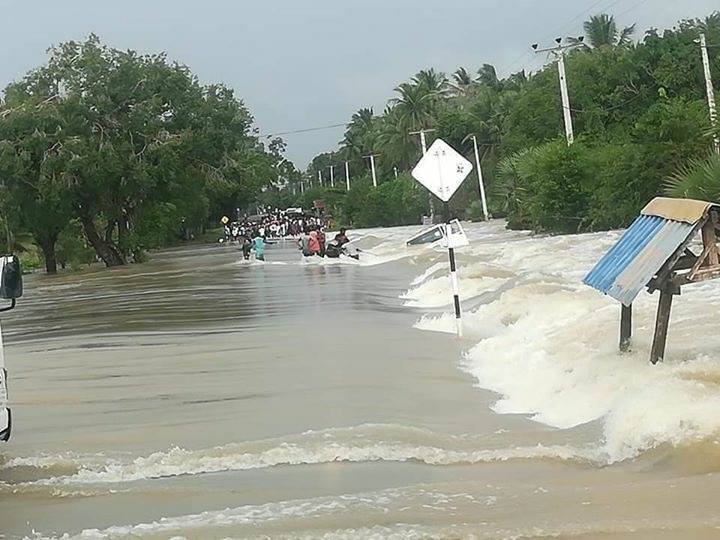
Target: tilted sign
(442,170)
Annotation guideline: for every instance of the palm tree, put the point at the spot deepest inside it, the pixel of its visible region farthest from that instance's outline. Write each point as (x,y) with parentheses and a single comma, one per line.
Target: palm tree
(699,179)
(462,82)
(433,82)
(602,31)
(395,139)
(710,24)
(415,104)
(488,76)
(360,133)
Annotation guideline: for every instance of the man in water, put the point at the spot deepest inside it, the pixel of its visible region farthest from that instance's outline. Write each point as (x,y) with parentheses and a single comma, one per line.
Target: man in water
(341,238)
(337,246)
(258,244)
(246,244)
(304,244)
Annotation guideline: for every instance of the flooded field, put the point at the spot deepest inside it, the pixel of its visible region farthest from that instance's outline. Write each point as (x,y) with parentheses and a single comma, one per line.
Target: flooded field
(198,396)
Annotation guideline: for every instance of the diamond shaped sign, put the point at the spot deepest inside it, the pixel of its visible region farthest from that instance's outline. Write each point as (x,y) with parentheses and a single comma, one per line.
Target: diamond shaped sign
(442,170)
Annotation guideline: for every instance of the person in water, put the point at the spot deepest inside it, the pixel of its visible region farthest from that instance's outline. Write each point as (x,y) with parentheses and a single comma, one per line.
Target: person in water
(246,245)
(341,238)
(321,241)
(313,242)
(258,244)
(337,246)
(304,244)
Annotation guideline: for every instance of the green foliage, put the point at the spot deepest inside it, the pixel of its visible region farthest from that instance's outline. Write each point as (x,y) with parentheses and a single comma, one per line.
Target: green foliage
(697,179)
(129,147)
(639,113)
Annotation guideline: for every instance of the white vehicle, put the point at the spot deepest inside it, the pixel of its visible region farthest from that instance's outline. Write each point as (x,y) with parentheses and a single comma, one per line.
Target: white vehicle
(10,289)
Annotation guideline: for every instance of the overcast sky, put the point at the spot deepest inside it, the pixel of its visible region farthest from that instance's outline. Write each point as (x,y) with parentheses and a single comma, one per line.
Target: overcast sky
(306,63)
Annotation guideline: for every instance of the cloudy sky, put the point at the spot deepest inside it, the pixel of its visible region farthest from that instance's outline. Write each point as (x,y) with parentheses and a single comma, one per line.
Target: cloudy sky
(306,63)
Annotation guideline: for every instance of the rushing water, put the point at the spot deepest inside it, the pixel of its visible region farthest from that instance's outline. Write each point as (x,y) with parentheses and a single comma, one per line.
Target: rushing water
(199,396)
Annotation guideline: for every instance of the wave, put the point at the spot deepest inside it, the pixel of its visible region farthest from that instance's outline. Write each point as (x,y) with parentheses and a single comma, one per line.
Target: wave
(364,443)
(547,345)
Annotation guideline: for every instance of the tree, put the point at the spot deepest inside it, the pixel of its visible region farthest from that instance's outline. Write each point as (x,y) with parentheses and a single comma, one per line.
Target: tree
(130,145)
(601,31)
(462,82)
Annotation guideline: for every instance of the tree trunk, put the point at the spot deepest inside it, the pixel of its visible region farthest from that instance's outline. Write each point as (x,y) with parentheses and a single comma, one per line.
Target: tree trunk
(47,243)
(105,250)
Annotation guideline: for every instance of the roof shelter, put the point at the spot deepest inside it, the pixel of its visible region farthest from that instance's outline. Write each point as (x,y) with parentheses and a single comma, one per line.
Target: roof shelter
(654,252)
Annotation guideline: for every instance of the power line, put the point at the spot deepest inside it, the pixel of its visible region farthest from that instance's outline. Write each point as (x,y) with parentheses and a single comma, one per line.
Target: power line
(641,2)
(306,130)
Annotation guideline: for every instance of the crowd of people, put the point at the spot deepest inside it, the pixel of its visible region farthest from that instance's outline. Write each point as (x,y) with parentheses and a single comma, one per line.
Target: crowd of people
(253,234)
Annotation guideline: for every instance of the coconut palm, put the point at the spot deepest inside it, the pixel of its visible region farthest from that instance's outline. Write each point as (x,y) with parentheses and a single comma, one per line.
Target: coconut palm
(433,82)
(602,31)
(462,82)
(699,179)
(360,133)
(488,76)
(415,105)
(395,140)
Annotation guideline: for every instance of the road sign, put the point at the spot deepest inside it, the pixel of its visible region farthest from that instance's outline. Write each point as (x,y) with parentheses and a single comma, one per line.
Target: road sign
(442,170)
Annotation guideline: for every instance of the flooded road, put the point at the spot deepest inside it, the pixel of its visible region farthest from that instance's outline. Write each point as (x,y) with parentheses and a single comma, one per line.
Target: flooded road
(199,396)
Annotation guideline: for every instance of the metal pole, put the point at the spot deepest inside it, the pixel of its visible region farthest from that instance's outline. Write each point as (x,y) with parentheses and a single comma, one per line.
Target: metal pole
(372,167)
(454,280)
(422,141)
(480,179)
(423,144)
(710,93)
(565,98)
(332,175)
(347,176)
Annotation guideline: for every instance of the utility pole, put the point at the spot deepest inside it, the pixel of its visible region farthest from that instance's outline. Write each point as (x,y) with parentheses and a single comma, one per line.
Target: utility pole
(347,176)
(559,52)
(710,92)
(332,175)
(423,144)
(480,179)
(372,168)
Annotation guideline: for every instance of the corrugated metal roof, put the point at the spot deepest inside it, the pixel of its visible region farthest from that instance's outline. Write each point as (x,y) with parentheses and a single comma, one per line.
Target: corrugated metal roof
(639,254)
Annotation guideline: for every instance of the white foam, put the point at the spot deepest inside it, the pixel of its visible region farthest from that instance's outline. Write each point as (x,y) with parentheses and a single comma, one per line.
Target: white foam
(548,346)
(364,443)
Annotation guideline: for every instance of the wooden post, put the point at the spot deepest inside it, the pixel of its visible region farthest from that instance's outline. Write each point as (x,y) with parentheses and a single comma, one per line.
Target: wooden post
(625,327)
(661,324)
(710,241)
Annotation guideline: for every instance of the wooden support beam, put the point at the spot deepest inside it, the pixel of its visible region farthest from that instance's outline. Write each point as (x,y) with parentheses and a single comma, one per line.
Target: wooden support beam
(662,323)
(710,241)
(625,327)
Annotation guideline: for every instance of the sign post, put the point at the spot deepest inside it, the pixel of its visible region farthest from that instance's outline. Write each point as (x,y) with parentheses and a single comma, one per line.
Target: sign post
(442,170)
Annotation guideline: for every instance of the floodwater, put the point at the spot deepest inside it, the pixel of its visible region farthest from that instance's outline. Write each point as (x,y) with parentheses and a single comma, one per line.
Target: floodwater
(198,396)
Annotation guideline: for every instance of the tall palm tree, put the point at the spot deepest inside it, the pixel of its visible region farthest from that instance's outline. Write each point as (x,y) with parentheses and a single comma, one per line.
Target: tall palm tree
(360,132)
(433,82)
(395,139)
(602,31)
(488,76)
(710,24)
(462,82)
(415,105)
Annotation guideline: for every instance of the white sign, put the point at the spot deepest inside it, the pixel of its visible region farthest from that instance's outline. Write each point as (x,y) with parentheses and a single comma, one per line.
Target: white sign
(442,170)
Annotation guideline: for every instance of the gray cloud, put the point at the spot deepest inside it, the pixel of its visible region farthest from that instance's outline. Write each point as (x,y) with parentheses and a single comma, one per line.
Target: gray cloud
(300,64)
